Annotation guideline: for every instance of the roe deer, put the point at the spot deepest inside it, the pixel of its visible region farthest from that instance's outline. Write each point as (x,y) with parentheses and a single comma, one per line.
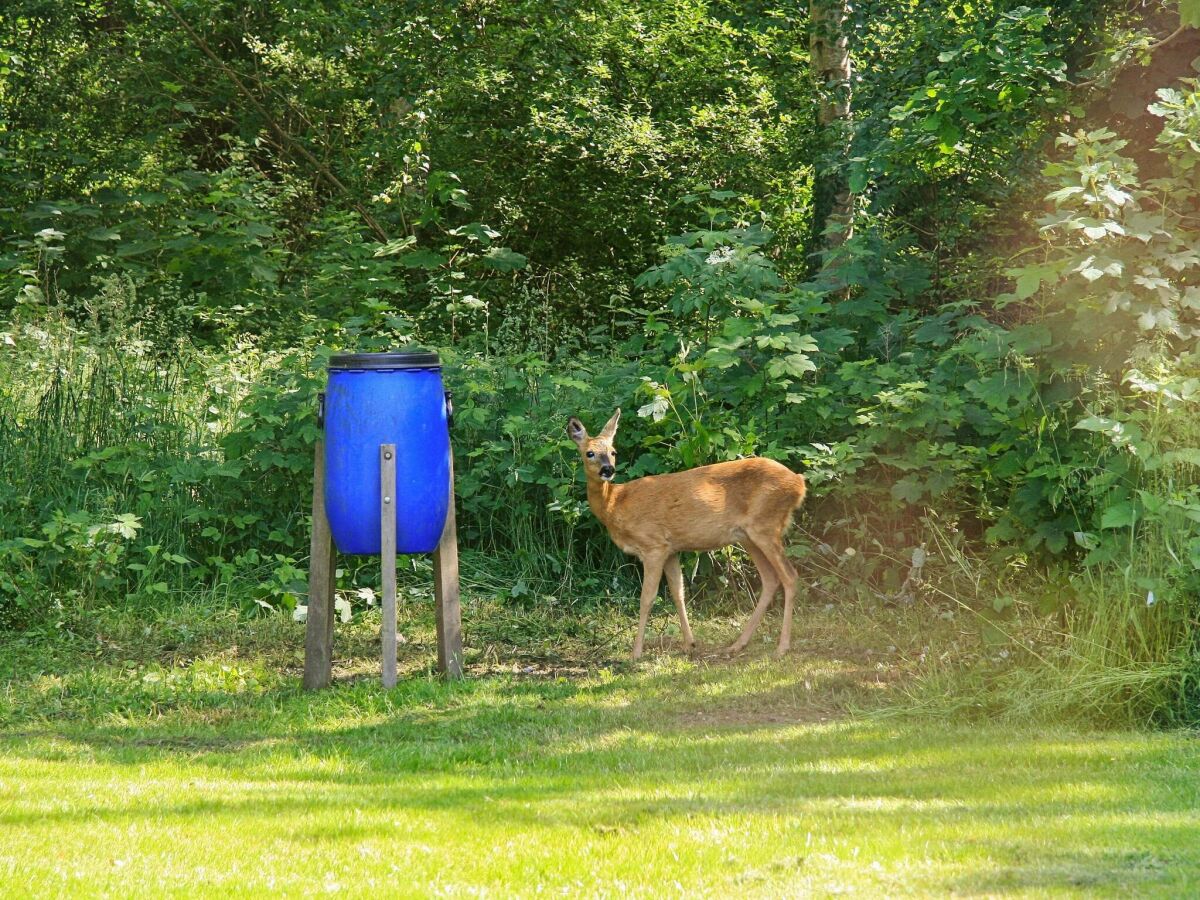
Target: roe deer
(747,501)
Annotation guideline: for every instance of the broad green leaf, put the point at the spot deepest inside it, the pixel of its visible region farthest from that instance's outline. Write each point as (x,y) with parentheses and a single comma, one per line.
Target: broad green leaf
(655,409)
(423,259)
(134,248)
(1097,423)
(1119,515)
(504,259)
(398,245)
(1187,455)
(264,273)
(793,365)
(1028,283)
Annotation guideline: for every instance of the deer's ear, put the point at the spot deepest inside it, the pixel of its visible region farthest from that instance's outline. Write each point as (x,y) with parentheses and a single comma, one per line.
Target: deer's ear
(576,431)
(610,429)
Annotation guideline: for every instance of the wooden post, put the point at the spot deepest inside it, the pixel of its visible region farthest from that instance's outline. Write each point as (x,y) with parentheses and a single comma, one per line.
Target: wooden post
(318,639)
(387,531)
(446,595)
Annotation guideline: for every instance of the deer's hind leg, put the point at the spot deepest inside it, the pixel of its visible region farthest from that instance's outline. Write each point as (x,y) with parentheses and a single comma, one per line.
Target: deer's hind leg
(771,545)
(675,583)
(770,584)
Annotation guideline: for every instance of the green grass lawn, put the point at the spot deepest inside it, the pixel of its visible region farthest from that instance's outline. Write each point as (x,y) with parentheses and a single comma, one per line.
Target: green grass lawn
(181,759)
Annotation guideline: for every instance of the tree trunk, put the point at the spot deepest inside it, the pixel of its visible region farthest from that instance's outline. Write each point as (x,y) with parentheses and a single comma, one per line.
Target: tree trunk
(829,52)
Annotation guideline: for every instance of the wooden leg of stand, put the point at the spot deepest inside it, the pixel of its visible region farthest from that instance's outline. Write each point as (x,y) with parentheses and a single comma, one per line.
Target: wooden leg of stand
(318,639)
(446,596)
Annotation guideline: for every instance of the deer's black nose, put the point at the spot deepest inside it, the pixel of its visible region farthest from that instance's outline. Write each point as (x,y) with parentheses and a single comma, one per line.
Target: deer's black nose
(606,471)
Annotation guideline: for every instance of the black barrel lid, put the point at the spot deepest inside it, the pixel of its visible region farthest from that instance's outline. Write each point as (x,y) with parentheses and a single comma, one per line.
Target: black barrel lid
(393,359)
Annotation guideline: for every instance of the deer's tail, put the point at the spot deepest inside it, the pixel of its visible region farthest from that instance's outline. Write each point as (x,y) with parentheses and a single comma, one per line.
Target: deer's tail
(801,489)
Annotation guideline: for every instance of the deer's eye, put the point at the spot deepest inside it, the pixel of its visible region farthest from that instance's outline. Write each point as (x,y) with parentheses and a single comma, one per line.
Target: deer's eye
(591,455)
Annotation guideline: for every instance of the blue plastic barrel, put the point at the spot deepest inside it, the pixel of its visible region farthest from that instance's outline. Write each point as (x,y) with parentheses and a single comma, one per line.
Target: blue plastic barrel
(386,398)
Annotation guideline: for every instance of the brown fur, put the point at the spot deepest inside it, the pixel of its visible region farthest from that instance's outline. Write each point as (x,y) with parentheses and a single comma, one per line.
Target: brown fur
(748,502)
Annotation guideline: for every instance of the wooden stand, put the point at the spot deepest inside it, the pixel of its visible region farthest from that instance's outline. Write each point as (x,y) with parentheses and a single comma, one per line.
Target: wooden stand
(387,553)
(318,643)
(445,592)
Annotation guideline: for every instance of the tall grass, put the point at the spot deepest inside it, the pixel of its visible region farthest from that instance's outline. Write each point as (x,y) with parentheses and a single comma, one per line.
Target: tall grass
(210,452)
(1090,651)
(104,448)
(138,470)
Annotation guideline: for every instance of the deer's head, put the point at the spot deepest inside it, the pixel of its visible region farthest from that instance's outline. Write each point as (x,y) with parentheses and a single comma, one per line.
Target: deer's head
(599,456)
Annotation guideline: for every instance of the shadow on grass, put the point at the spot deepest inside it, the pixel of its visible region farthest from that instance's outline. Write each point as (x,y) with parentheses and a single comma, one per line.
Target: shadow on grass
(608,752)
(605,757)
(604,776)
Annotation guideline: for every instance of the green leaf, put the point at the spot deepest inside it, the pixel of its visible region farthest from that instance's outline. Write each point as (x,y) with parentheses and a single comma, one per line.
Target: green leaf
(793,365)
(504,259)
(802,343)
(126,525)
(1028,283)
(263,273)
(399,245)
(1189,13)
(134,248)
(423,259)
(1097,423)
(1119,515)
(1187,455)
(477,231)
(655,409)
(104,234)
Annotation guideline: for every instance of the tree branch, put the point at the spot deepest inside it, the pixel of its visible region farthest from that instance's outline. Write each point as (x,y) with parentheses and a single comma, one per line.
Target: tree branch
(1170,37)
(286,140)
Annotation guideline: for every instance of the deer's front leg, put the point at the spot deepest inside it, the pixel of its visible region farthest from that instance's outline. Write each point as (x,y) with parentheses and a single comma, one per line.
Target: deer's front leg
(652,567)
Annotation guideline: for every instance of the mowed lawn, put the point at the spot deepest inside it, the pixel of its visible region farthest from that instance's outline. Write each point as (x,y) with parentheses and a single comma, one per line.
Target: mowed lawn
(215,775)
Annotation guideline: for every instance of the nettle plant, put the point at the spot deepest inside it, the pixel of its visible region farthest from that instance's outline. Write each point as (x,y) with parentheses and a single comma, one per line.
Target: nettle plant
(733,342)
(1119,287)
(1120,248)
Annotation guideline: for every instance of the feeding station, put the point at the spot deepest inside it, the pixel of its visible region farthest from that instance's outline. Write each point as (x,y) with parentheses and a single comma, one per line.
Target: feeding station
(383,483)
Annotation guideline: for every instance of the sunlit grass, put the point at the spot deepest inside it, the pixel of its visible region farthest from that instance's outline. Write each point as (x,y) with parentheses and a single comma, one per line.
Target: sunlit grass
(203,769)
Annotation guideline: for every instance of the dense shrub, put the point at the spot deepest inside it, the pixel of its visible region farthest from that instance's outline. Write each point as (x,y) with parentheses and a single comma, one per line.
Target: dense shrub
(590,208)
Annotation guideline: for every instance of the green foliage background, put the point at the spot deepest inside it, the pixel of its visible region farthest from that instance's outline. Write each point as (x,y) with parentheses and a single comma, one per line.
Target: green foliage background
(585,206)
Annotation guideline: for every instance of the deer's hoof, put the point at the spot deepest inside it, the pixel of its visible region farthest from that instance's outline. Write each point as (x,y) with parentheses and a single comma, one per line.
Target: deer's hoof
(782,650)
(734,649)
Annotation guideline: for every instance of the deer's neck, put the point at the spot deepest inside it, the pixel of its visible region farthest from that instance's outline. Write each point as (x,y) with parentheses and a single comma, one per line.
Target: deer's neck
(602,497)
